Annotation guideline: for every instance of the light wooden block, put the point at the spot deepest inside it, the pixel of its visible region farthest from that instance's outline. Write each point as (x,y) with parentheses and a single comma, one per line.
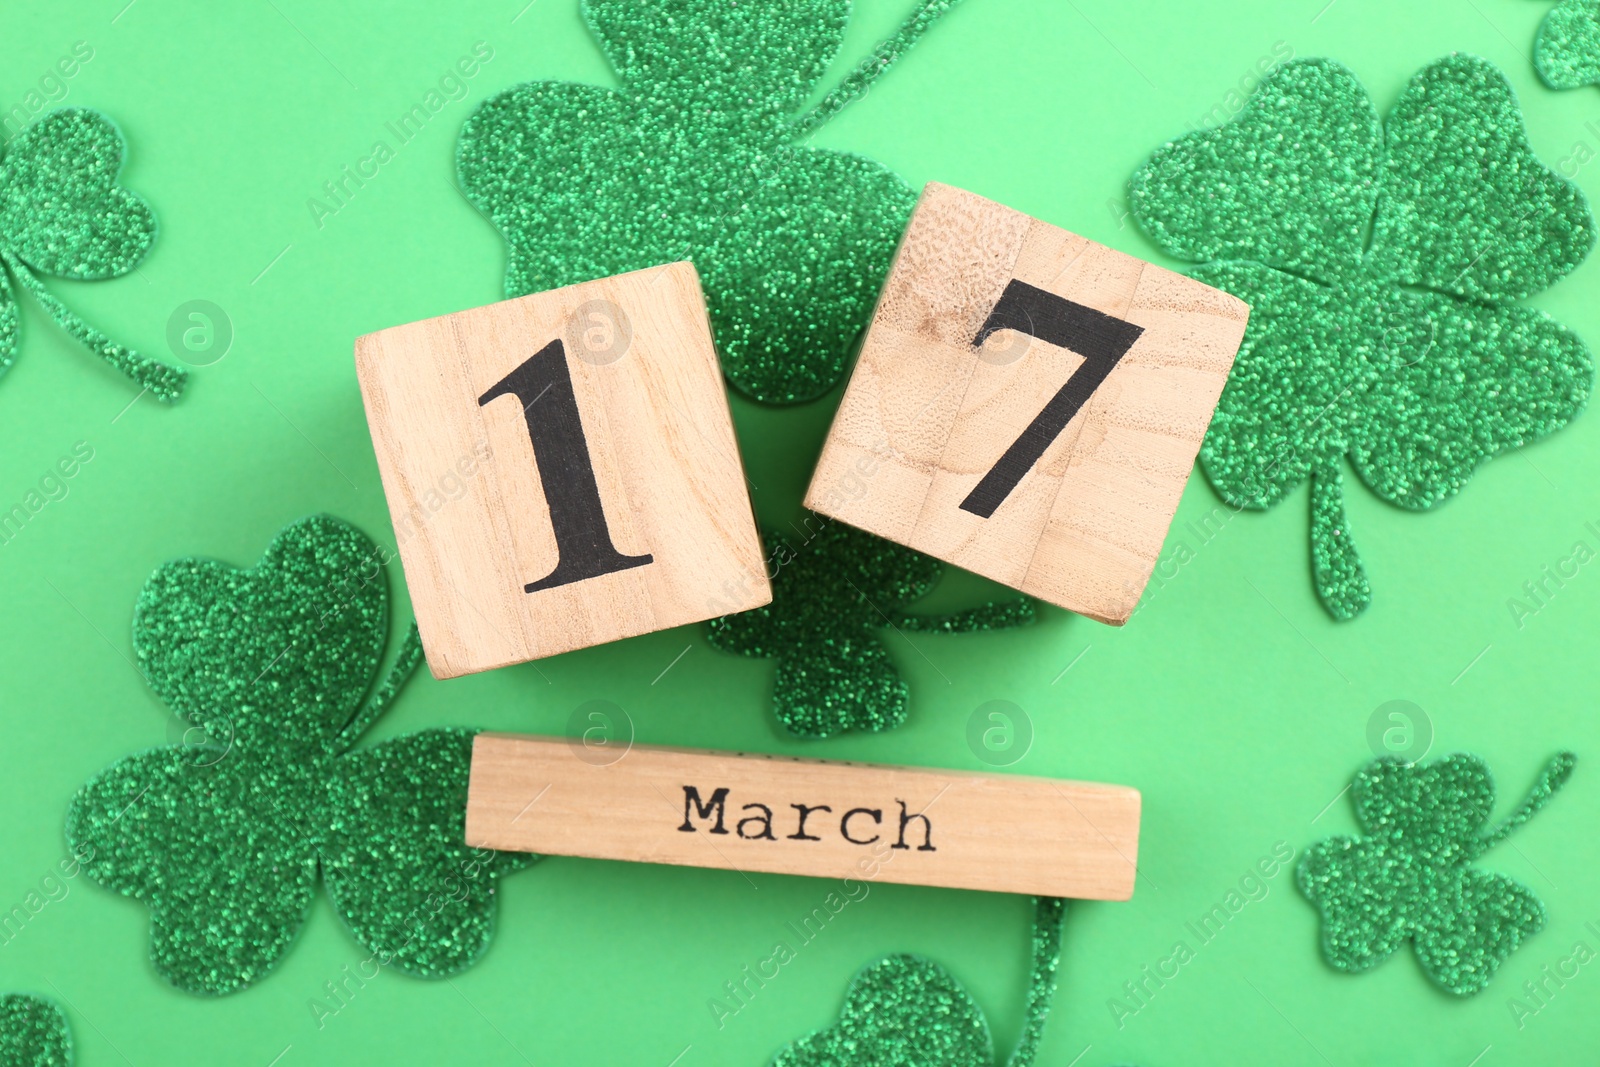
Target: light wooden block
(780,815)
(561,470)
(990,325)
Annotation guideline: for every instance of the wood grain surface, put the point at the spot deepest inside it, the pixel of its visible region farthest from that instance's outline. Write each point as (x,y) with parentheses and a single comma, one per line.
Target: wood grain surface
(933,413)
(469,500)
(782,815)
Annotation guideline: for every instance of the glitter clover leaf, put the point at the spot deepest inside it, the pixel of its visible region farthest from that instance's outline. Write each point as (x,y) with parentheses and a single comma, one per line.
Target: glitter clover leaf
(1381,261)
(1567,52)
(831,599)
(33,1033)
(697,155)
(226,843)
(64,213)
(1410,876)
(906,1011)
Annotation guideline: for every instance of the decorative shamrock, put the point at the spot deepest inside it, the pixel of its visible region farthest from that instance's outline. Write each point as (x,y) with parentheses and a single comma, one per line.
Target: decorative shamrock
(225,847)
(33,1033)
(1381,262)
(63,213)
(830,599)
(1567,52)
(695,157)
(1410,877)
(905,1011)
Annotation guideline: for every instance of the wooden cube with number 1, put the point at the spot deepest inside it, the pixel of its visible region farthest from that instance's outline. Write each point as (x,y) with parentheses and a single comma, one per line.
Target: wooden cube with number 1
(561,470)
(1030,403)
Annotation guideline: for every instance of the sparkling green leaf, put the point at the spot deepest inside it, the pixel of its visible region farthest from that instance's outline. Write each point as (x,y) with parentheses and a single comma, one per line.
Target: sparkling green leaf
(405,798)
(64,212)
(1567,52)
(220,847)
(1283,184)
(771,53)
(33,1033)
(1457,384)
(61,207)
(1467,207)
(285,650)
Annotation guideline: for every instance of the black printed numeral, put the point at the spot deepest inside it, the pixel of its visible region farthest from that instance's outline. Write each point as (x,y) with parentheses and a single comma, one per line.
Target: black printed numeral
(543,385)
(1099,338)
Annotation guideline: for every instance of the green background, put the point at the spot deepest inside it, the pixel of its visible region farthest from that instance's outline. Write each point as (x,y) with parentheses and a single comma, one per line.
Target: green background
(1232,700)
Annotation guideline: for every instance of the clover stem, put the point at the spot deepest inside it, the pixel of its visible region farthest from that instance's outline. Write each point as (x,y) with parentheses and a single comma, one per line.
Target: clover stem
(1551,779)
(165,382)
(998,616)
(1341,581)
(405,662)
(1047,915)
(859,80)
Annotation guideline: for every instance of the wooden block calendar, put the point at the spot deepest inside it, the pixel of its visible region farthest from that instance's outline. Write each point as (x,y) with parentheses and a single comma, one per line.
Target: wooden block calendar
(561,470)
(1029,402)
(783,815)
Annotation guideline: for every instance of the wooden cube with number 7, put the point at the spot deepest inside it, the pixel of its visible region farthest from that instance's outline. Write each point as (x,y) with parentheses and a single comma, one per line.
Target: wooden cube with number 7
(561,470)
(1028,404)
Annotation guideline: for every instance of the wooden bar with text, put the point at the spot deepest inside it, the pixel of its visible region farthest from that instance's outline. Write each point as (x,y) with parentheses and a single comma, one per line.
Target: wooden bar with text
(784,815)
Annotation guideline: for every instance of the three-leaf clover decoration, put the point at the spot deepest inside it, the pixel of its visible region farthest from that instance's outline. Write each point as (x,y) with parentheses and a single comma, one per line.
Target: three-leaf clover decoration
(1381,260)
(33,1033)
(64,213)
(1410,876)
(1567,52)
(225,843)
(832,597)
(697,155)
(906,1011)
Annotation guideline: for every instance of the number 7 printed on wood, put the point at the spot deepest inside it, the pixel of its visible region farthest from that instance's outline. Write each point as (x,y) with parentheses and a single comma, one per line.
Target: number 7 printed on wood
(1032,403)
(561,470)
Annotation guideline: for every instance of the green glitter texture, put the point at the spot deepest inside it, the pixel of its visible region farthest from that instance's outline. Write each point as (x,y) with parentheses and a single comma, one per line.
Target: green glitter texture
(33,1033)
(63,213)
(1409,878)
(224,838)
(905,1011)
(696,157)
(1567,52)
(831,599)
(1381,261)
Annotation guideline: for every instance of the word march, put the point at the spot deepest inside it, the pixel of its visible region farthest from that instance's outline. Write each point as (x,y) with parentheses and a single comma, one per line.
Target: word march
(815,818)
(854,824)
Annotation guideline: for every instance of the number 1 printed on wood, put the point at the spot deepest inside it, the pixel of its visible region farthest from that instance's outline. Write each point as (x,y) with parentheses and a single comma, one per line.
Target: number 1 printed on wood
(1030,404)
(584,493)
(543,386)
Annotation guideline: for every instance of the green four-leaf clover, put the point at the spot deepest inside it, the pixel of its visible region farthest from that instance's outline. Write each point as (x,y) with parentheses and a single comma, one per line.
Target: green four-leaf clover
(1410,876)
(225,838)
(63,213)
(1381,261)
(832,598)
(695,156)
